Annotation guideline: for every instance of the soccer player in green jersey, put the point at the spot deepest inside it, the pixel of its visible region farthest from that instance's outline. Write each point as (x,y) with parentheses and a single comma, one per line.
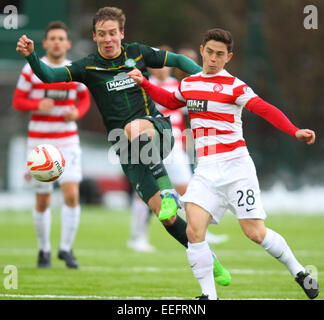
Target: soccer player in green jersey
(126,107)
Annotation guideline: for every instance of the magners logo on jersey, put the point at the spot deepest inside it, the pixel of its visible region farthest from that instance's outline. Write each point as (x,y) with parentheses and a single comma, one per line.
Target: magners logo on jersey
(120,82)
(195,105)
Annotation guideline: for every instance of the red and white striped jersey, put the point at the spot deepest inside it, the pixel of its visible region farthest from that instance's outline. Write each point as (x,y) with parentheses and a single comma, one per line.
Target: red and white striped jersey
(215,103)
(50,127)
(176,116)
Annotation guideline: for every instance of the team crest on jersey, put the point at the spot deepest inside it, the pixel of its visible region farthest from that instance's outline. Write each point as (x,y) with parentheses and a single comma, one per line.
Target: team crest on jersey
(218,87)
(196,105)
(120,82)
(247,89)
(131,63)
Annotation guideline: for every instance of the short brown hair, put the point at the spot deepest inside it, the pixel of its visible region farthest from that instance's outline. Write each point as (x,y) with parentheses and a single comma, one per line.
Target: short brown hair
(219,35)
(109,13)
(57,25)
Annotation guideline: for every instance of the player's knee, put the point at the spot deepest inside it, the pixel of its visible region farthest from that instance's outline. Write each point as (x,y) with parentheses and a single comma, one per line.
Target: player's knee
(128,130)
(42,202)
(194,234)
(71,199)
(255,235)
(41,206)
(138,127)
(132,129)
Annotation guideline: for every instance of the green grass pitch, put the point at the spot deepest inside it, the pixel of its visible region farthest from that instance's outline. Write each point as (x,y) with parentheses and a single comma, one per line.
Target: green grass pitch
(109,270)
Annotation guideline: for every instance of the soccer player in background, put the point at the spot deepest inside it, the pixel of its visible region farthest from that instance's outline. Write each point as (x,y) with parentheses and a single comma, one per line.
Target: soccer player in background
(225,177)
(54,109)
(177,163)
(126,107)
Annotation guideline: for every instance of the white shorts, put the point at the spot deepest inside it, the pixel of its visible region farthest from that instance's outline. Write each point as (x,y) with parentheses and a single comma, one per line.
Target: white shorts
(177,164)
(223,185)
(72,171)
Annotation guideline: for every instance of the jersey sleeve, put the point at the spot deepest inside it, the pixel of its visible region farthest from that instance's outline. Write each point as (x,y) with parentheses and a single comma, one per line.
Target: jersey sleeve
(21,100)
(46,73)
(242,93)
(24,82)
(153,57)
(272,114)
(182,62)
(178,93)
(161,96)
(83,100)
(77,70)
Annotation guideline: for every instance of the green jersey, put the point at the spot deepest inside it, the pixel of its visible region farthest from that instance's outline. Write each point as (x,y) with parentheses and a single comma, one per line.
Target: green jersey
(118,97)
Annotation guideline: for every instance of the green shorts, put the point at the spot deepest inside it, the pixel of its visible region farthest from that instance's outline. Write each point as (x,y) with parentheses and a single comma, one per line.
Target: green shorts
(139,175)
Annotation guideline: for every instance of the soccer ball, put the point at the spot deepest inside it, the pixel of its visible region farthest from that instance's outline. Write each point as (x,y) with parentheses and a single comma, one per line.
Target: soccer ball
(46,163)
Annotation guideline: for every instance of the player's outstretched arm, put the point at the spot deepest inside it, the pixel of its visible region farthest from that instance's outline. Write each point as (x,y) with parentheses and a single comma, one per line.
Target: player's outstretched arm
(278,119)
(159,95)
(182,62)
(25,47)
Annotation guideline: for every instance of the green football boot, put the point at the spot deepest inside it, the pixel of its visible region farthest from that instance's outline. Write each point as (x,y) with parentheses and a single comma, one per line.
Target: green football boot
(169,206)
(221,275)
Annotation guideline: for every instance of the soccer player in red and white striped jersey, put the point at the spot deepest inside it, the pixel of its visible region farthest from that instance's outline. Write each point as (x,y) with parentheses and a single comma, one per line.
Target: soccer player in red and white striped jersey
(54,108)
(225,177)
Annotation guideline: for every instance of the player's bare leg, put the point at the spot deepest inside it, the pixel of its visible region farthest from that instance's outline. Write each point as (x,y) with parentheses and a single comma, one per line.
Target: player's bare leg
(42,222)
(136,127)
(43,201)
(277,246)
(70,218)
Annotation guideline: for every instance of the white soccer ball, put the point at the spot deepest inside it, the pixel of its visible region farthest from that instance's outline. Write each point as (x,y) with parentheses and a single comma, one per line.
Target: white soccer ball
(45,163)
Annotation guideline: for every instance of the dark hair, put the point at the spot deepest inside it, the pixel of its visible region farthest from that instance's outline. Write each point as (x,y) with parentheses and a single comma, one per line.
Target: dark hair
(109,13)
(57,25)
(219,35)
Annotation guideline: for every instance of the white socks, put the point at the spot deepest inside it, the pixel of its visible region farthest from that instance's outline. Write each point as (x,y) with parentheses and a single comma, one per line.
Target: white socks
(42,222)
(201,262)
(70,218)
(139,218)
(277,246)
